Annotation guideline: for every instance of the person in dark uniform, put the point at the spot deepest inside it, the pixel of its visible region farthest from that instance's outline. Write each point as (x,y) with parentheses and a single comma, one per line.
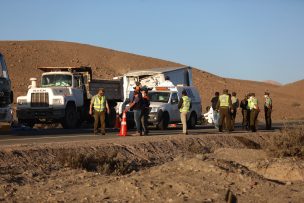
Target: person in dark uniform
(214,101)
(223,106)
(145,110)
(268,110)
(244,106)
(235,106)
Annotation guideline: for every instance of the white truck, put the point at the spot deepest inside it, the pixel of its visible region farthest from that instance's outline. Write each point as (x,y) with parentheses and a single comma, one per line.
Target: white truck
(6,95)
(163,112)
(164,106)
(64,97)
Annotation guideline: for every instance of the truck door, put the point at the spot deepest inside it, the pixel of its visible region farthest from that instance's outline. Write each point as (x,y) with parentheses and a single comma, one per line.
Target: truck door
(175,115)
(78,90)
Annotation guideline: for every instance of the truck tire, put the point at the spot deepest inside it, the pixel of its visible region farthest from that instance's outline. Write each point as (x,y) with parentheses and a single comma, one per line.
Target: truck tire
(27,122)
(163,123)
(71,117)
(192,120)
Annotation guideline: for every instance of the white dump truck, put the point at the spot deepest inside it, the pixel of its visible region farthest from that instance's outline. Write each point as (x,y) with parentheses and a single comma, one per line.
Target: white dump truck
(162,113)
(6,95)
(64,97)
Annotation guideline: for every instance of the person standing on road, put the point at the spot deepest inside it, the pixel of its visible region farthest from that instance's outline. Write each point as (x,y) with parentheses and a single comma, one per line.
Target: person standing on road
(235,106)
(223,106)
(184,106)
(268,110)
(244,106)
(136,106)
(254,111)
(214,101)
(100,104)
(145,110)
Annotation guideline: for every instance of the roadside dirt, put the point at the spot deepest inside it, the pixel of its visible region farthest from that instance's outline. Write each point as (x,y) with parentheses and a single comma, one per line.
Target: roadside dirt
(196,168)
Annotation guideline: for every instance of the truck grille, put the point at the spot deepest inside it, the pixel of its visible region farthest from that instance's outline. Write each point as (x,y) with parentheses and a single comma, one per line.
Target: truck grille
(40,99)
(4,99)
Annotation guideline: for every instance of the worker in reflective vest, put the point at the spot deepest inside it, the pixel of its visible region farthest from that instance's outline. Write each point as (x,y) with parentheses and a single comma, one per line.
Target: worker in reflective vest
(268,110)
(184,106)
(254,111)
(224,106)
(100,105)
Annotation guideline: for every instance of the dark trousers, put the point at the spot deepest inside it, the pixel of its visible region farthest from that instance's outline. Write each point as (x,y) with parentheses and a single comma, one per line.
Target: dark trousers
(268,118)
(144,121)
(248,119)
(244,122)
(224,116)
(233,116)
(137,115)
(99,116)
(253,118)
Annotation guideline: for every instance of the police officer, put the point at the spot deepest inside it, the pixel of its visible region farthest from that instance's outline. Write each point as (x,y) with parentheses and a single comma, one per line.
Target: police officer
(184,106)
(100,104)
(235,106)
(254,111)
(267,110)
(244,107)
(223,106)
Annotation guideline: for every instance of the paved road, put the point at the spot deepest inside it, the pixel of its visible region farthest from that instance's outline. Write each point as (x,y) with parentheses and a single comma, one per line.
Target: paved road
(31,136)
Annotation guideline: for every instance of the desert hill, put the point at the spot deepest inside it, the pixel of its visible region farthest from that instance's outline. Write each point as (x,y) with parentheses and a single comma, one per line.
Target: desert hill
(23,58)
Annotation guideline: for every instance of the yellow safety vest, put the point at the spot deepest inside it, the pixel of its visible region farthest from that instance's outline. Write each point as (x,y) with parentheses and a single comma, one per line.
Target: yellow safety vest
(224,100)
(99,103)
(252,103)
(186,104)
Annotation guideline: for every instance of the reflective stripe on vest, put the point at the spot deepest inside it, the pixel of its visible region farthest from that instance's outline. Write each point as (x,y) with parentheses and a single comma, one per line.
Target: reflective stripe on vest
(186,104)
(224,100)
(99,104)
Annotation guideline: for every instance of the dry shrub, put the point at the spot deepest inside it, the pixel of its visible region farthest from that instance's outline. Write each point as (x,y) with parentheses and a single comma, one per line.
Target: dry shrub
(290,142)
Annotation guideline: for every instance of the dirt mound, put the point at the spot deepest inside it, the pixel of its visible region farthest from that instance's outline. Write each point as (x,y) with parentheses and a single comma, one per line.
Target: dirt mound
(23,58)
(160,169)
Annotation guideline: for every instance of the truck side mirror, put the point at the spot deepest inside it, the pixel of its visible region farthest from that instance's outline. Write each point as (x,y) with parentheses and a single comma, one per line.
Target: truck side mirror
(11,97)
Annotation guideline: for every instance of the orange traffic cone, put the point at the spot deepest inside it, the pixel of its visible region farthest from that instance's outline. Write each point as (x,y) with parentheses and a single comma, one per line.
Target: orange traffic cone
(117,122)
(123,128)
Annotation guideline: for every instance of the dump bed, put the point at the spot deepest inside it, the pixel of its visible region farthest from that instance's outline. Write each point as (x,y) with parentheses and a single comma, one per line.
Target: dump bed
(113,89)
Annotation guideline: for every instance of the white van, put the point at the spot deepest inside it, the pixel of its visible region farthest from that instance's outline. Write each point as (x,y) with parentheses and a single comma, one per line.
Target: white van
(164,106)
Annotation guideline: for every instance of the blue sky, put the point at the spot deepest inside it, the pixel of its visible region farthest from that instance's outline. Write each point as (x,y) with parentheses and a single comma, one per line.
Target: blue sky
(245,39)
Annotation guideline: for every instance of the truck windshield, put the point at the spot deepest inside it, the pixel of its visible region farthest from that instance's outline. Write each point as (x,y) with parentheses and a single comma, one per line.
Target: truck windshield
(56,80)
(159,96)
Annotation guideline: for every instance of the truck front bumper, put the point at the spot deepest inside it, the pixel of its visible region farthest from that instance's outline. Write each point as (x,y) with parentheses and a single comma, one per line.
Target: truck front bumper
(155,117)
(39,114)
(6,115)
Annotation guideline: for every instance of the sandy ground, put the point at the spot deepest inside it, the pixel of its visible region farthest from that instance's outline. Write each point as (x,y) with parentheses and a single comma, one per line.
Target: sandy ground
(200,168)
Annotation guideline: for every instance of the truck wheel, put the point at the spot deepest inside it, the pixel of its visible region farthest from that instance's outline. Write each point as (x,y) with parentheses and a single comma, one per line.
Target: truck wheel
(163,124)
(28,123)
(192,121)
(70,119)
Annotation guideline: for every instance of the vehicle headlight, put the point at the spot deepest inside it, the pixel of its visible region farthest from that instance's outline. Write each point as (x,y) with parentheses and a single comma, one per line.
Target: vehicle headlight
(22,102)
(58,101)
(154,109)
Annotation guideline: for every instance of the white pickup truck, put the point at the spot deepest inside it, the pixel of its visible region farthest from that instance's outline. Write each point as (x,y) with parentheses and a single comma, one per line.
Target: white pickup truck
(6,94)
(164,106)
(64,97)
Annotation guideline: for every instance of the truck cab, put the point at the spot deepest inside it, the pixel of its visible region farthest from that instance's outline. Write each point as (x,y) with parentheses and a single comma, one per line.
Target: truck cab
(6,94)
(164,106)
(60,98)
